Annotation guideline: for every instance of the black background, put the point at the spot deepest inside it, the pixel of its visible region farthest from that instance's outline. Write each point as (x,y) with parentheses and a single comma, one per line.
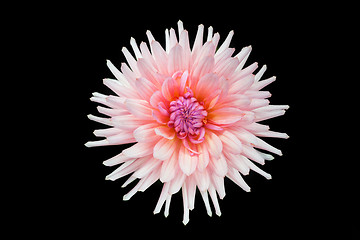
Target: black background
(289,39)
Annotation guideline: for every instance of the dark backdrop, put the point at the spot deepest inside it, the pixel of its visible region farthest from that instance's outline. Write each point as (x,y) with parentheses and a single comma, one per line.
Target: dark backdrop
(287,38)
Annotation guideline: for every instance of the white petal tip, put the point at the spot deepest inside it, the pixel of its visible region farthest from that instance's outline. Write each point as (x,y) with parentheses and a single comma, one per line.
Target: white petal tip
(185,221)
(248,189)
(209,213)
(156,212)
(87,144)
(268,177)
(218,213)
(126,197)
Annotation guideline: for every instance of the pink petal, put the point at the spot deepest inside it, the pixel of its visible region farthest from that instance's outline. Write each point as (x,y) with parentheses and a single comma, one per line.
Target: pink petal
(225,115)
(138,108)
(187,163)
(156,98)
(242,84)
(213,144)
(230,142)
(163,149)
(219,165)
(145,88)
(235,176)
(206,85)
(148,72)
(145,132)
(140,149)
(120,89)
(205,66)
(169,168)
(165,132)
(177,182)
(176,60)
(159,117)
(160,56)
(202,179)
(170,89)
(203,160)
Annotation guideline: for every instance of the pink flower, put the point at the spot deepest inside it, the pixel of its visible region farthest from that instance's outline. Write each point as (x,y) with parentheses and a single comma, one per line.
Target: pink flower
(193,114)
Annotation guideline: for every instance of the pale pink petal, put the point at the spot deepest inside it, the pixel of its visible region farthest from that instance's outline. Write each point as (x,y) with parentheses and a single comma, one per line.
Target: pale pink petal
(230,142)
(159,117)
(256,168)
(177,182)
(251,153)
(120,89)
(119,76)
(126,169)
(185,204)
(165,132)
(227,67)
(191,190)
(242,84)
(140,149)
(164,149)
(139,108)
(107,132)
(176,60)
(160,57)
(147,167)
(145,132)
(170,89)
(206,85)
(218,183)
(187,163)
(214,200)
(226,42)
(120,158)
(205,198)
(148,72)
(213,144)
(236,178)
(162,198)
(145,88)
(169,168)
(225,115)
(205,66)
(156,98)
(203,160)
(202,179)
(219,165)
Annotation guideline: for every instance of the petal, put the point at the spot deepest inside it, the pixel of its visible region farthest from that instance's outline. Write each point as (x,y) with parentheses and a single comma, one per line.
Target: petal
(169,168)
(139,108)
(206,85)
(230,142)
(145,132)
(225,115)
(145,88)
(213,144)
(176,61)
(140,149)
(187,163)
(147,71)
(235,176)
(160,57)
(165,132)
(164,148)
(202,179)
(156,98)
(219,165)
(205,66)
(170,89)
(203,160)
(242,84)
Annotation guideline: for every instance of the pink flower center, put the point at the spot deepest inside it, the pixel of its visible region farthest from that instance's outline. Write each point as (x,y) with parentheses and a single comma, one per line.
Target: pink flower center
(187,117)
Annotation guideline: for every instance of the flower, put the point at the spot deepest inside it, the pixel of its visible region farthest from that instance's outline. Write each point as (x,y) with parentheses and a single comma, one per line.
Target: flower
(193,114)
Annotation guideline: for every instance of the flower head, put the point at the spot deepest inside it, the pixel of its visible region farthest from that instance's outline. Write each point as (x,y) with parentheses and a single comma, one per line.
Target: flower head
(193,114)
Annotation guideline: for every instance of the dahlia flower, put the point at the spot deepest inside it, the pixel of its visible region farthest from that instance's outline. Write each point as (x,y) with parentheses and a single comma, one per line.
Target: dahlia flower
(193,114)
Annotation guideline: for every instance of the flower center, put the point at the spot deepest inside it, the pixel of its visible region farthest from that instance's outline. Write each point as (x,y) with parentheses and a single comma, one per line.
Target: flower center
(187,117)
